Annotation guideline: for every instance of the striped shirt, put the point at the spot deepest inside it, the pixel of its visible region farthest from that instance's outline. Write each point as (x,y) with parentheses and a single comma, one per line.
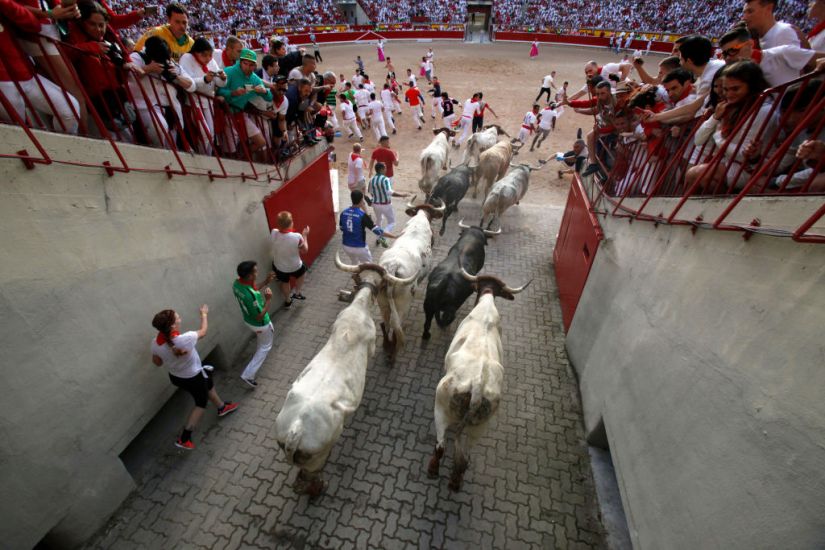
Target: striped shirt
(380,189)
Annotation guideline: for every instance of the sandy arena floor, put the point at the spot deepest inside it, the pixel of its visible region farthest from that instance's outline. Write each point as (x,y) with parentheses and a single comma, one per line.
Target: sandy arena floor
(510,81)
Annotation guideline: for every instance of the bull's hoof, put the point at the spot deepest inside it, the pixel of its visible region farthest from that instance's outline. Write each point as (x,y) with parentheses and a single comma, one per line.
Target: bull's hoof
(454,485)
(315,488)
(426,335)
(432,468)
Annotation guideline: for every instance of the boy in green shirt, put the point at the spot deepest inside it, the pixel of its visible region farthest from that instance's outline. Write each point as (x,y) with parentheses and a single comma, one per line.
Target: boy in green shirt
(255,309)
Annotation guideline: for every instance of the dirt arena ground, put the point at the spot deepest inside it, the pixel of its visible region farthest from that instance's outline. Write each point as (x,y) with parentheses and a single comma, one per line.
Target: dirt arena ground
(503,71)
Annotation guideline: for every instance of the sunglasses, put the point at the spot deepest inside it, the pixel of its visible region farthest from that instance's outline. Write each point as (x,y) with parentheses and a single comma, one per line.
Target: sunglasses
(733,50)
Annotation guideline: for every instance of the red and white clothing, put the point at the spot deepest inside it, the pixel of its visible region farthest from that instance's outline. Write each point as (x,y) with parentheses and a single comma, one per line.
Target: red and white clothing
(388,104)
(470,109)
(817,37)
(17,67)
(547,116)
(182,366)
(286,250)
(221,59)
(780,34)
(376,112)
(203,105)
(349,121)
(362,99)
(528,125)
(413,95)
(355,172)
(782,63)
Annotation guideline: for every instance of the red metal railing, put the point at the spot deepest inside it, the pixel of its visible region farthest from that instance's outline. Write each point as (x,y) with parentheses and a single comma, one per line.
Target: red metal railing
(755,159)
(190,130)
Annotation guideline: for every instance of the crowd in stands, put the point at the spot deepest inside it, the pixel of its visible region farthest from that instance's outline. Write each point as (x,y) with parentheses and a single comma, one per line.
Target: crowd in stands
(675,16)
(712,120)
(403,11)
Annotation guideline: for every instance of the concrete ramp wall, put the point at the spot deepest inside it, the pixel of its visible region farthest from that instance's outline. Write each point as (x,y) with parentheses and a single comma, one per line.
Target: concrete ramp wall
(85,261)
(705,358)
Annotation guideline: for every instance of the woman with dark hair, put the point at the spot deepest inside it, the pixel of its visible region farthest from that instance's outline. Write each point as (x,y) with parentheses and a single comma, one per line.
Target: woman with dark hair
(208,76)
(742,84)
(99,61)
(178,353)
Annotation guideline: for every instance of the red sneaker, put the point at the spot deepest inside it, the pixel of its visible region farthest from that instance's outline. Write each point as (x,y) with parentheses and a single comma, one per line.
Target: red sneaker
(228,407)
(185,445)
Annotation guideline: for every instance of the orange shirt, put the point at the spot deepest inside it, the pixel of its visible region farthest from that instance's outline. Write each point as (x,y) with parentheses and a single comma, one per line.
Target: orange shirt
(413,95)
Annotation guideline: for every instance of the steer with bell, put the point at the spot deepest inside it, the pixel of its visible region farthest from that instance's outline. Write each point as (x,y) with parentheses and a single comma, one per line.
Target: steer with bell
(447,289)
(470,392)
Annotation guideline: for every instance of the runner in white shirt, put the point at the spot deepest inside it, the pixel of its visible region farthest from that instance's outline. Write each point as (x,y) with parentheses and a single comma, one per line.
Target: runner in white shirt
(368,84)
(388,104)
(547,123)
(362,99)
(350,122)
(357,80)
(355,170)
(287,246)
(528,124)
(411,82)
(547,83)
(467,113)
(376,113)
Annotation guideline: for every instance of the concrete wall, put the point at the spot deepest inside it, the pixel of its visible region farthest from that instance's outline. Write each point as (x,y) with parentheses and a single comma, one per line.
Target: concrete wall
(704,356)
(85,262)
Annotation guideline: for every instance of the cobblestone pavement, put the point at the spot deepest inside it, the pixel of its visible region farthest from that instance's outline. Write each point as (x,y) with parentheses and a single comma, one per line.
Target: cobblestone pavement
(529,484)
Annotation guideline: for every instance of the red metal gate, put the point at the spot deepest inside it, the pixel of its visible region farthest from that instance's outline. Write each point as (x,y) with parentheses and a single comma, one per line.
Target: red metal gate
(309,197)
(576,247)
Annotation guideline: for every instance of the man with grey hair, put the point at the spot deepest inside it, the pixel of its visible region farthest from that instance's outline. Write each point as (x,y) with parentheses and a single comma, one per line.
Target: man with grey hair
(576,158)
(328,96)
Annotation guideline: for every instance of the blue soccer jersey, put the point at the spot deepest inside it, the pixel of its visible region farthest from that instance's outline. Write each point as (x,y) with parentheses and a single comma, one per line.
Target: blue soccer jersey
(354,222)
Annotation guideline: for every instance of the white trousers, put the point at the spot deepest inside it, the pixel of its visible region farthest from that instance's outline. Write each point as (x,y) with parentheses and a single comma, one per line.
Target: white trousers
(358,255)
(334,119)
(384,212)
(265,335)
(466,129)
(418,114)
(378,128)
(362,112)
(448,121)
(352,127)
(388,117)
(523,135)
(436,105)
(39,99)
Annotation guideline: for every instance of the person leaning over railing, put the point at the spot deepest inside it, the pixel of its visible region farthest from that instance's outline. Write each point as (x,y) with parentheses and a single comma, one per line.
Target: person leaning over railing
(16,70)
(743,83)
(173,33)
(99,62)
(159,78)
(242,86)
(200,66)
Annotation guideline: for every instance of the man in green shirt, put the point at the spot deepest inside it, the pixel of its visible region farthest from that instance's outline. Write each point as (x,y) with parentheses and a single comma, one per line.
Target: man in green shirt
(242,87)
(255,309)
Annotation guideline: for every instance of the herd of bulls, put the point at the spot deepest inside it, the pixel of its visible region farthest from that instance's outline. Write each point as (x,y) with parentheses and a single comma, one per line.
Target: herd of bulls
(329,389)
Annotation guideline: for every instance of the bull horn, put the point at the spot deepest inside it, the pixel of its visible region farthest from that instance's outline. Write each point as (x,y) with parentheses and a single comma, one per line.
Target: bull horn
(398,280)
(492,233)
(463,225)
(441,208)
(471,278)
(410,202)
(345,267)
(516,290)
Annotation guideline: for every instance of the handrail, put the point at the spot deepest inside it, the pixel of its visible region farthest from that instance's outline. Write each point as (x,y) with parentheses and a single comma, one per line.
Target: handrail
(658,169)
(116,127)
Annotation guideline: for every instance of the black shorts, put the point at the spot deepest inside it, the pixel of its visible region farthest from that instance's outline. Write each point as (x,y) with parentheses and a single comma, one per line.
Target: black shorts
(199,386)
(284,277)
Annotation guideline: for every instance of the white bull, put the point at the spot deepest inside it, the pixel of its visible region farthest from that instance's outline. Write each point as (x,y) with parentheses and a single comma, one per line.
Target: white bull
(480,142)
(492,165)
(469,394)
(506,192)
(434,158)
(329,390)
(409,256)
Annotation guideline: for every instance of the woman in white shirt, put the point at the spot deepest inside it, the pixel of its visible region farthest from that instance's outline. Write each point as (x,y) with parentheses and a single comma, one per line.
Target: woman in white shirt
(742,84)
(177,352)
(199,65)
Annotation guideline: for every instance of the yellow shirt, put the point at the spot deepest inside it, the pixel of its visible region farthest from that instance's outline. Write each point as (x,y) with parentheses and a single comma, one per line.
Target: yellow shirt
(163,32)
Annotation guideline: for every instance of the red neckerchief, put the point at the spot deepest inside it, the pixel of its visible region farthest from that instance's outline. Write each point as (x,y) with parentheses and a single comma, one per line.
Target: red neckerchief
(161,339)
(279,103)
(252,284)
(226,61)
(285,231)
(353,156)
(756,56)
(817,29)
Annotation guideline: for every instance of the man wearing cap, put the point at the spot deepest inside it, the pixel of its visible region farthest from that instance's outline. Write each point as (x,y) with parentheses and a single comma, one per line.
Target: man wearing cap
(354,222)
(242,86)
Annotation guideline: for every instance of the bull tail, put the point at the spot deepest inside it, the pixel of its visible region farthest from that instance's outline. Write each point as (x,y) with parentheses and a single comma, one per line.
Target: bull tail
(395,323)
(473,408)
(292,440)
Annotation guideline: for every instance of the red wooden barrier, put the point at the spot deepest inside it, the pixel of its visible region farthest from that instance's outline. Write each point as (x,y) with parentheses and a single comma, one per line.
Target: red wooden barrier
(576,246)
(308,196)
(580,40)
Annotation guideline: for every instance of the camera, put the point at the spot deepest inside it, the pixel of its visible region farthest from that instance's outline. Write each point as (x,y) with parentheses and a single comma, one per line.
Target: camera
(115,55)
(168,73)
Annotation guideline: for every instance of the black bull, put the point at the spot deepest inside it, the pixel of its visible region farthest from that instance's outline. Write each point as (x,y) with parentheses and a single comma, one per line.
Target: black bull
(447,289)
(449,190)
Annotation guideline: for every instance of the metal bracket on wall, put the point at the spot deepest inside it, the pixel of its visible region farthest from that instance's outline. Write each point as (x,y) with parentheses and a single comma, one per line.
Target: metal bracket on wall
(27,162)
(754,223)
